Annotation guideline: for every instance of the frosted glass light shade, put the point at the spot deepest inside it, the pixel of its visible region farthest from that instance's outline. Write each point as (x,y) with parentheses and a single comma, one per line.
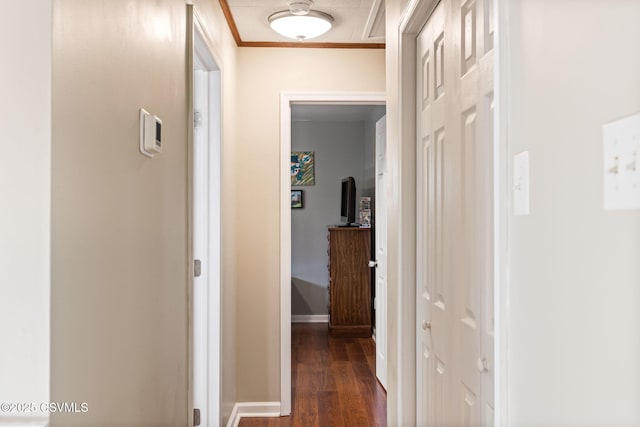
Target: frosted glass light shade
(301,27)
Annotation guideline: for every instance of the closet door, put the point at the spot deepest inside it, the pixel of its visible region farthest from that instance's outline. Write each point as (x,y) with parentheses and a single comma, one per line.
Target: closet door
(454,152)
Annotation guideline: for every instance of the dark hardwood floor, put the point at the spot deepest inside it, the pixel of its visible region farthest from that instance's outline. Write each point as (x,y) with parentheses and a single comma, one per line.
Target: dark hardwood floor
(334,382)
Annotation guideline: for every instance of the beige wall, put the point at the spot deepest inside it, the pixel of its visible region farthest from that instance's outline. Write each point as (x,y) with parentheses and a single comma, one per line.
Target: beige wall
(263,73)
(574,283)
(119,220)
(25,190)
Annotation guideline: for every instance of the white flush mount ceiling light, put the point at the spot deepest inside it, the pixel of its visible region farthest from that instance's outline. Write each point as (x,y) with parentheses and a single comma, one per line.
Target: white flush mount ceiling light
(300,22)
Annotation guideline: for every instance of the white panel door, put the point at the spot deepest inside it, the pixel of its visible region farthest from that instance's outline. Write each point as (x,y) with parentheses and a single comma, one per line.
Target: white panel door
(381,251)
(454,150)
(434,363)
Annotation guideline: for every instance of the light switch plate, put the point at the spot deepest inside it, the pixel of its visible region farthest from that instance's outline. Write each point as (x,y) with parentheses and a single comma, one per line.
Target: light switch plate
(521,184)
(621,144)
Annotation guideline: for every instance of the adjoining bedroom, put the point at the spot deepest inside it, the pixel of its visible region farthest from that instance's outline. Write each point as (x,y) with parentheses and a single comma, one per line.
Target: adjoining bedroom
(333,257)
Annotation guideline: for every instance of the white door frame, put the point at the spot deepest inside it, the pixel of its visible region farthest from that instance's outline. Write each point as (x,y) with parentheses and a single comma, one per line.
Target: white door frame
(286,100)
(208,344)
(413,19)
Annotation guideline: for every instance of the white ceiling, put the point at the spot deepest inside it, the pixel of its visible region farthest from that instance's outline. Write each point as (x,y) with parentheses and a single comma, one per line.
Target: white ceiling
(355,21)
(336,113)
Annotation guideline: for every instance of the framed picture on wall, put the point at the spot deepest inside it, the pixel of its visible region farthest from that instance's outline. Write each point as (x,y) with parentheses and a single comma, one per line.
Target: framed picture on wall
(297,201)
(302,168)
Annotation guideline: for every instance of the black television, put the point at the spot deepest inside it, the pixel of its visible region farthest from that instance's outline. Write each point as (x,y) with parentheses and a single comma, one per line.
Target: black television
(348,202)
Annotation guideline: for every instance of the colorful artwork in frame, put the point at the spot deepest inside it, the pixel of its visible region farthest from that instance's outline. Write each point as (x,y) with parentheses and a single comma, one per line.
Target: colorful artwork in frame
(302,168)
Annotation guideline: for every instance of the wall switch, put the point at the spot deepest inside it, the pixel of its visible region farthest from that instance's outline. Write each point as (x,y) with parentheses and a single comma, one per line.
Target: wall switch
(521,184)
(621,143)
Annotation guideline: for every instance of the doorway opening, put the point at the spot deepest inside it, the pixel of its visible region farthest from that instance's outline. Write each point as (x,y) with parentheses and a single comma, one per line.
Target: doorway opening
(307,284)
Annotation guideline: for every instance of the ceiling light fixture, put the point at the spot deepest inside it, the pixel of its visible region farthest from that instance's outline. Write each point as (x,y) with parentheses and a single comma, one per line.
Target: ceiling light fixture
(300,22)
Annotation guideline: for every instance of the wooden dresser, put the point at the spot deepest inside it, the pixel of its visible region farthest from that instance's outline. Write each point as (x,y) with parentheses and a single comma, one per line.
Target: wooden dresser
(349,282)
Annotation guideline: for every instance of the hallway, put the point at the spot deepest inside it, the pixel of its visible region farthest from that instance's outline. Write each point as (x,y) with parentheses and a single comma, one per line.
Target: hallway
(334,382)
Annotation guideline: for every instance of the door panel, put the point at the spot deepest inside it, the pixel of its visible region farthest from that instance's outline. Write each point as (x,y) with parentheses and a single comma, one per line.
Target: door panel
(454,154)
(433,293)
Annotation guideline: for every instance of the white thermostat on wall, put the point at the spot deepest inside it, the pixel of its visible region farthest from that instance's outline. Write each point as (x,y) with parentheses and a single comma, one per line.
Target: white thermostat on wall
(150,134)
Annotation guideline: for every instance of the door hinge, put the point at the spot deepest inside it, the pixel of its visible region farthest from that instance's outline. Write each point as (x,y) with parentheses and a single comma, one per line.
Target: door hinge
(197,119)
(196,416)
(197,268)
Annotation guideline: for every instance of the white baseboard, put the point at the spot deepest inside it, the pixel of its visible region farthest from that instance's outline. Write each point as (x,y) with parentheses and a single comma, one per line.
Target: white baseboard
(253,409)
(309,318)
